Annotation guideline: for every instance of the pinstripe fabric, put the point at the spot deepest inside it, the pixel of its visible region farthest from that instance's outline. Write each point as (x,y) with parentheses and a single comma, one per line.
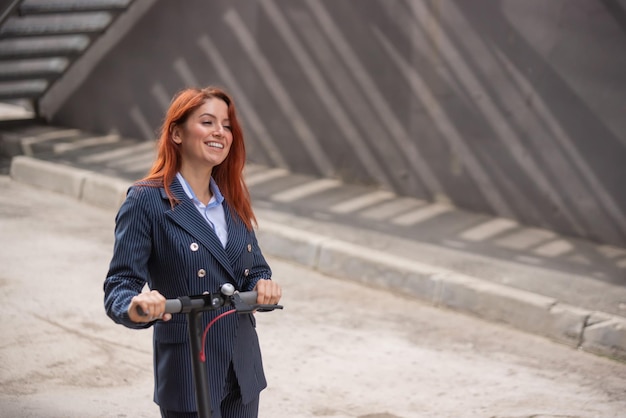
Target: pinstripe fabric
(174,414)
(231,406)
(177,253)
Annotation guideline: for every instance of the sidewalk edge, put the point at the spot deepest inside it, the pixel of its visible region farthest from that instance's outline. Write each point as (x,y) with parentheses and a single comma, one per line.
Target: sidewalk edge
(591,331)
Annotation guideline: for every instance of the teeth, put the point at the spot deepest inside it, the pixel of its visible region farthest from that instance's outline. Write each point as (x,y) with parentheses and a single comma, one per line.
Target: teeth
(215,145)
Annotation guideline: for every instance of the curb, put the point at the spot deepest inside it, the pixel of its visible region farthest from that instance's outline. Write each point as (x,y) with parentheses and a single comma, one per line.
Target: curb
(591,331)
(89,187)
(595,332)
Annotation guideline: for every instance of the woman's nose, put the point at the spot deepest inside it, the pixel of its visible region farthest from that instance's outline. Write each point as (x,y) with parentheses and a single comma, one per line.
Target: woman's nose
(219,130)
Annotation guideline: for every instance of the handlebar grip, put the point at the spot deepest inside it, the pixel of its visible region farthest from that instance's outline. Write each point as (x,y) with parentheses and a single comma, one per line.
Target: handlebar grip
(173,306)
(249,297)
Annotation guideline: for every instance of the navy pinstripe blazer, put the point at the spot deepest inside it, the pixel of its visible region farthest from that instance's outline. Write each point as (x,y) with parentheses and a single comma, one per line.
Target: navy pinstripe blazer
(176,252)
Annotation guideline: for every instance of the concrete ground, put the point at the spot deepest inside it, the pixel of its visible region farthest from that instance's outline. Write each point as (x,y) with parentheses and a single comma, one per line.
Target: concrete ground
(339,349)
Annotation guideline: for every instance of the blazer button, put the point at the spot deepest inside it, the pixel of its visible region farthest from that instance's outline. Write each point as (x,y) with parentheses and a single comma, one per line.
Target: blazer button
(246,272)
(201,273)
(249,248)
(194,246)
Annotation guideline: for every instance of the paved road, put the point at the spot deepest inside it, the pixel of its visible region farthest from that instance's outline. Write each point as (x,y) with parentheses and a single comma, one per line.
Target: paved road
(339,349)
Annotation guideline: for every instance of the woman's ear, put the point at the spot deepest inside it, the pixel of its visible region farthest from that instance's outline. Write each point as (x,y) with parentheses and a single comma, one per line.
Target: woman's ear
(175,134)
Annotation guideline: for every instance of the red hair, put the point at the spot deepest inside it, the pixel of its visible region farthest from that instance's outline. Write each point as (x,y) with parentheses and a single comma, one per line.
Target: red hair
(228,175)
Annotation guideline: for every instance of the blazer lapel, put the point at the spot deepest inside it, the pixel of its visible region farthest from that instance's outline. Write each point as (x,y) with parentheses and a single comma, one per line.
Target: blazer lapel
(186,215)
(236,236)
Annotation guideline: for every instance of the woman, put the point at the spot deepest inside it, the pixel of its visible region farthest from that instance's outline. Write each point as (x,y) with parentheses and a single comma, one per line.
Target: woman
(186,229)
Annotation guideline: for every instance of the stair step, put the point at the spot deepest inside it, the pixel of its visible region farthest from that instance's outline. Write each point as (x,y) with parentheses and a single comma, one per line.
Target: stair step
(39,47)
(72,142)
(55,24)
(45,68)
(12,112)
(22,89)
(29,7)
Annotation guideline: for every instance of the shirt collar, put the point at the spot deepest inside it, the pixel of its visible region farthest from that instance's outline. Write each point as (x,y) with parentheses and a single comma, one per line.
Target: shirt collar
(217,198)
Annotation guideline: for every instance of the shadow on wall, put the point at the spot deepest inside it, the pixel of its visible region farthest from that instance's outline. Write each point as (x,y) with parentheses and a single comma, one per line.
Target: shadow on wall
(507,108)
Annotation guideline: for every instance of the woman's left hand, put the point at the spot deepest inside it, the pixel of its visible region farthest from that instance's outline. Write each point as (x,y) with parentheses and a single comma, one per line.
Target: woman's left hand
(268,292)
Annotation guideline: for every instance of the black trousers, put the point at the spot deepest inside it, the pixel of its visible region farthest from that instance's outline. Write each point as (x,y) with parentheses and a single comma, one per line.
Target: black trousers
(231,406)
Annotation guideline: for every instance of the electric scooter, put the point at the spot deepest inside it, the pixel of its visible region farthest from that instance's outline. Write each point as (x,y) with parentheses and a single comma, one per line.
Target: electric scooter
(193,306)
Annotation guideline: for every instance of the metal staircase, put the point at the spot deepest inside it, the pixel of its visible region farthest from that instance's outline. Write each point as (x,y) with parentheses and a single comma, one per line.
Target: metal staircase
(41,39)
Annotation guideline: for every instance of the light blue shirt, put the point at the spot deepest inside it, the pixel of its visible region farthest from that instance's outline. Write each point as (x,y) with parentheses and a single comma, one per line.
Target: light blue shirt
(213,212)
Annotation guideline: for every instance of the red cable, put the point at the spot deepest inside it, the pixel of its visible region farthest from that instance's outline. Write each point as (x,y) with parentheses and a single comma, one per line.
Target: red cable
(206,330)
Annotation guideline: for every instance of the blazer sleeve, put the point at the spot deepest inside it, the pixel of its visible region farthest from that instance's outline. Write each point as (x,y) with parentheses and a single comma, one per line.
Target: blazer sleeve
(259,270)
(128,270)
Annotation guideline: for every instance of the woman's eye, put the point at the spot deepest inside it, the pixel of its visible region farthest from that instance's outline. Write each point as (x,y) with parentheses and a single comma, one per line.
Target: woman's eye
(208,122)
(228,128)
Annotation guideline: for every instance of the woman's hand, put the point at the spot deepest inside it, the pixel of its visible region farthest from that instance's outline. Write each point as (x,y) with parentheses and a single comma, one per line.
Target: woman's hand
(151,304)
(268,292)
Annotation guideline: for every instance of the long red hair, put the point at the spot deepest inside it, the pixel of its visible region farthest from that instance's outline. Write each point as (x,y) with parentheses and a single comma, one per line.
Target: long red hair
(228,175)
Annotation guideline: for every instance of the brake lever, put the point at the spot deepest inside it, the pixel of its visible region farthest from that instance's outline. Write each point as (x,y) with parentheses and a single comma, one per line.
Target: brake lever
(243,307)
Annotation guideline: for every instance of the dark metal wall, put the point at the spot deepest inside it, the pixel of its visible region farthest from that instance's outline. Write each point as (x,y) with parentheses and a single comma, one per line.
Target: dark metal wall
(513,108)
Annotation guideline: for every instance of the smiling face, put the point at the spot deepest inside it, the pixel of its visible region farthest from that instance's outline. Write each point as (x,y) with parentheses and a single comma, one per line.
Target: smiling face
(205,137)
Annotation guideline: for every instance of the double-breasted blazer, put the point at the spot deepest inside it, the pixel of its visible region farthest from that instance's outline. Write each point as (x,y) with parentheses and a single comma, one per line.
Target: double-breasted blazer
(175,251)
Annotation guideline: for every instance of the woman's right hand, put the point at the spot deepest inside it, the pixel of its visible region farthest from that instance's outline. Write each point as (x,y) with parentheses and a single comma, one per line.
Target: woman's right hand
(151,304)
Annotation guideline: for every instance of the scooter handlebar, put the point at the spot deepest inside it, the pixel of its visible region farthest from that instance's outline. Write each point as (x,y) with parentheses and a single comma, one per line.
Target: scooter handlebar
(176,305)
(173,306)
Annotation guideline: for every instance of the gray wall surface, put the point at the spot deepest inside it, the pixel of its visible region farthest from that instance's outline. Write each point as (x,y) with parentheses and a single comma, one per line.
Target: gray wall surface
(512,108)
